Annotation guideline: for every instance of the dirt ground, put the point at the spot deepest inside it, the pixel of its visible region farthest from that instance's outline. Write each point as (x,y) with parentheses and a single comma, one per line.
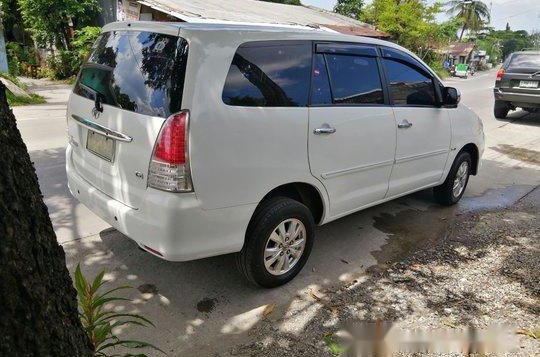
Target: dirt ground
(479,271)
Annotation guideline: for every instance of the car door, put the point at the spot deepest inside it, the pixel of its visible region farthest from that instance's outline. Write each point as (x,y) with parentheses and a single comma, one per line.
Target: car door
(423,126)
(352,133)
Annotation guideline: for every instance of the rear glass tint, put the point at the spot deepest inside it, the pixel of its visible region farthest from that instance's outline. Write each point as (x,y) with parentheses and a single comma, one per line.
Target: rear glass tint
(138,71)
(269,74)
(525,60)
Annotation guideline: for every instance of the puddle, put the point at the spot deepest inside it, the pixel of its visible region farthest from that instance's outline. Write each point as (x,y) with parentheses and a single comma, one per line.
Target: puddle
(493,199)
(148,289)
(520,154)
(411,229)
(206,305)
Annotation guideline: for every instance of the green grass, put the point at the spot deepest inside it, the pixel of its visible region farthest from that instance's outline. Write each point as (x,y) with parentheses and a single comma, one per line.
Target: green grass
(14,100)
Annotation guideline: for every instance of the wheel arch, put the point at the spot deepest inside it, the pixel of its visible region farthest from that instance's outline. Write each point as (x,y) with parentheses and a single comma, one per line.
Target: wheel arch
(303,192)
(472,149)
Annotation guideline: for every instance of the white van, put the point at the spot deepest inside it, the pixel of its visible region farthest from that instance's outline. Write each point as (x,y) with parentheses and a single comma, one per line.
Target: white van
(202,139)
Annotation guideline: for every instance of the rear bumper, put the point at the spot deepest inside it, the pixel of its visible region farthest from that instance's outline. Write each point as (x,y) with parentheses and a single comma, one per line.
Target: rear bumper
(172,224)
(517,99)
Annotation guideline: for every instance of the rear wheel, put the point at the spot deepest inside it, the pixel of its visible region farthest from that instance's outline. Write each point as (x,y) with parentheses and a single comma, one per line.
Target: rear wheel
(451,191)
(278,242)
(500,110)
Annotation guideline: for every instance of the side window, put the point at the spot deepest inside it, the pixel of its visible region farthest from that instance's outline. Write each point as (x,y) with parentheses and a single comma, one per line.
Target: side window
(320,86)
(269,74)
(409,86)
(354,79)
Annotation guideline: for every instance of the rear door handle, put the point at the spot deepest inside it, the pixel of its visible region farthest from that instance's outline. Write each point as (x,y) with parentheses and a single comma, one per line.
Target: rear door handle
(404,124)
(324,129)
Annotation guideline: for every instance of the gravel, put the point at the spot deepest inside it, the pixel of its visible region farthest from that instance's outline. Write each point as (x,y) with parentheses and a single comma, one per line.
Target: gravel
(482,273)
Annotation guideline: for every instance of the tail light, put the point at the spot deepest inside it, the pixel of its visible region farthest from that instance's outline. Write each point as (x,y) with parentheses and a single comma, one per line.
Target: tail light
(169,168)
(500,74)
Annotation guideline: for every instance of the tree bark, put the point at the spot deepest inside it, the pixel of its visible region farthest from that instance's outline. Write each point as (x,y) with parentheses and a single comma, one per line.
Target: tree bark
(38,303)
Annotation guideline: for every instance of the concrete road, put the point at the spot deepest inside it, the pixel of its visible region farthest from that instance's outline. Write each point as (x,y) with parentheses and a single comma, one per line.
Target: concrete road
(203,307)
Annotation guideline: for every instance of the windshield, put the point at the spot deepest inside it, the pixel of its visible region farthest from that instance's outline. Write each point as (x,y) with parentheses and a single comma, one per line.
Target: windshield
(525,60)
(138,71)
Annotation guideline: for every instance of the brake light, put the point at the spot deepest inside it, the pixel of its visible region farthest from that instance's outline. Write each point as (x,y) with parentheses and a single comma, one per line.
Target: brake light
(169,168)
(500,74)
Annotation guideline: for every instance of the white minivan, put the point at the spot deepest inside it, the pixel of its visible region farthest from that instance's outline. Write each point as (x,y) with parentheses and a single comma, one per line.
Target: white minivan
(202,139)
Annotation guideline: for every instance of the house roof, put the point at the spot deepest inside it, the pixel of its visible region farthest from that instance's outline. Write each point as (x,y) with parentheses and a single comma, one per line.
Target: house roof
(253,11)
(460,48)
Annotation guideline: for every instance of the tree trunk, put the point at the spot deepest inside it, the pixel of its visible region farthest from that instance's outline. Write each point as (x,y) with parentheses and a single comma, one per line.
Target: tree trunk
(38,306)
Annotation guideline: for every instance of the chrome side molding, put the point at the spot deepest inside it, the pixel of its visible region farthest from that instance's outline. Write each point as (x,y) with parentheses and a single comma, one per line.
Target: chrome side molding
(101,129)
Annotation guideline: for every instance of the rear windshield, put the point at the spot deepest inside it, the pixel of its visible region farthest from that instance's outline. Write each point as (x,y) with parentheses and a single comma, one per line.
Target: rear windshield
(138,71)
(525,60)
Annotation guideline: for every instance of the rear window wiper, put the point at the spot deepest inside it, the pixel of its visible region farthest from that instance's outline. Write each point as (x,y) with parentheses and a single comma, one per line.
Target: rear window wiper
(535,74)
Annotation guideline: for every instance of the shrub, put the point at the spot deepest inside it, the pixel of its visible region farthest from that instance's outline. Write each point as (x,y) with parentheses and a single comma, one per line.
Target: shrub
(99,322)
(66,63)
(84,39)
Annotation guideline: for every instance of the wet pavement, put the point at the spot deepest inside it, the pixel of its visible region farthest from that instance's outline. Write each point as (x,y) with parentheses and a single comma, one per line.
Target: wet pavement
(203,307)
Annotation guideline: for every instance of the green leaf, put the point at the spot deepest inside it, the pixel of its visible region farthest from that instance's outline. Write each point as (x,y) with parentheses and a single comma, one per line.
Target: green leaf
(80,282)
(102,301)
(98,281)
(130,344)
(117,315)
(115,289)
(335,348)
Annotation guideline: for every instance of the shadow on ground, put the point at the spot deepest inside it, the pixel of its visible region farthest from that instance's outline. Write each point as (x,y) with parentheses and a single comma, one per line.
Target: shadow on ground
(203,307)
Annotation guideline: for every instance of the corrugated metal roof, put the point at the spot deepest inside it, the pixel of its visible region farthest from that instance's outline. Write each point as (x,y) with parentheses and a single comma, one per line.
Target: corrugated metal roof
(460,48)
(254,11)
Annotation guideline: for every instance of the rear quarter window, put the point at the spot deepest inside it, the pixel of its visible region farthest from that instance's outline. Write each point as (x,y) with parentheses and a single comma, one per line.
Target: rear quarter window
(137,71)
(269,74)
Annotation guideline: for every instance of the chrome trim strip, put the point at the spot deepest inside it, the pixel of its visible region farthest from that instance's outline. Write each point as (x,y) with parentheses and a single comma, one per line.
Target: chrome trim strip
(420,156)
(356,169)
(101,129)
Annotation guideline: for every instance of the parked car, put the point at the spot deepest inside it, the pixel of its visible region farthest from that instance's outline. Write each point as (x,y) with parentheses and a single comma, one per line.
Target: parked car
(197,140)
(518,84)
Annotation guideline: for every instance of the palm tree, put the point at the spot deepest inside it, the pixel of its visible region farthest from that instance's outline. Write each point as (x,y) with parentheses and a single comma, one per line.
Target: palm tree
(473,13)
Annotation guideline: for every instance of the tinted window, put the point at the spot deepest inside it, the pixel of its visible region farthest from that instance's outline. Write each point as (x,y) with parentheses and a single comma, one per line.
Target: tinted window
(137,71)
(408,86)
(525,60)
(354,79)
(269,74)
(320,86)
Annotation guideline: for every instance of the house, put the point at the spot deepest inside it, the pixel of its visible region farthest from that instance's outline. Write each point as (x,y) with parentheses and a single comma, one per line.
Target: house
(459,52)
(237,11)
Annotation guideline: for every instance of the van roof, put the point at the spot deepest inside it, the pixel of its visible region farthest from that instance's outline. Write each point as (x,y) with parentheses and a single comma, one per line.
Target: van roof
(297,32)
(313,33)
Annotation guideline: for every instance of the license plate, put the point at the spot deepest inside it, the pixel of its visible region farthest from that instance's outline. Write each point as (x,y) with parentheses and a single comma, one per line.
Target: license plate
(100,145)
(528,84)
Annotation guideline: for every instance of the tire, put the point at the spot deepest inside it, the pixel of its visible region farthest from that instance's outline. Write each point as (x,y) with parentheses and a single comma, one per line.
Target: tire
(500,110)
(445,193)
(266,219)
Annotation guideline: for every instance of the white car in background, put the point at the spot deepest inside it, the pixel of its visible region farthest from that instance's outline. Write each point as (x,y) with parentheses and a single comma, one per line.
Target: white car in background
(196,140)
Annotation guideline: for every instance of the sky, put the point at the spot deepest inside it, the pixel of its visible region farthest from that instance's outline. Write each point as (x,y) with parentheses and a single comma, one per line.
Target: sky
(520,14)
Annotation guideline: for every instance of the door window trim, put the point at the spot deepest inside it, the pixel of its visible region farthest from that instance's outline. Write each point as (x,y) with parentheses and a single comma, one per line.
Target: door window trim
(347,49)
(408,60)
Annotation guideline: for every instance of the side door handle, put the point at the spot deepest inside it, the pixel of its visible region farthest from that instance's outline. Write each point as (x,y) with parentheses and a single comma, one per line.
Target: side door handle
(324,129)
(404,124)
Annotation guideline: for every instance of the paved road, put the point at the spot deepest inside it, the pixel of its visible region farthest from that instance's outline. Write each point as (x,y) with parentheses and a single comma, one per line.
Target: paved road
(203,304)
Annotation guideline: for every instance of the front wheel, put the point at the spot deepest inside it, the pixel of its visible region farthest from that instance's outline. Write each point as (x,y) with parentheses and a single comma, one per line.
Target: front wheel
(278,242)
(451,191)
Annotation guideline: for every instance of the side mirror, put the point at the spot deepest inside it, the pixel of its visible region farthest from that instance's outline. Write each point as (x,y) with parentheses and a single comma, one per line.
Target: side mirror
(451,97)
